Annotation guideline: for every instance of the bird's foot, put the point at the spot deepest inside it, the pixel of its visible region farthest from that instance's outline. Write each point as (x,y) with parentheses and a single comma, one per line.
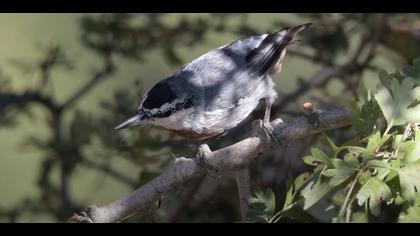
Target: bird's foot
(201,159)
(268,131)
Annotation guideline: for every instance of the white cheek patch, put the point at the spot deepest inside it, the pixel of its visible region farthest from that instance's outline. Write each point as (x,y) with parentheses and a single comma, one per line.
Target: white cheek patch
(165,107)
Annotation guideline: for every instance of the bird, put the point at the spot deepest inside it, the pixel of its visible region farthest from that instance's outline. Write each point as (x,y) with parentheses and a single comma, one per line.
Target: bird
(218,90)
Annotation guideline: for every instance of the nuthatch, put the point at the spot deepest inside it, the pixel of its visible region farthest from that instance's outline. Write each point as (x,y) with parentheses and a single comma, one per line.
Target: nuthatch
(217,91)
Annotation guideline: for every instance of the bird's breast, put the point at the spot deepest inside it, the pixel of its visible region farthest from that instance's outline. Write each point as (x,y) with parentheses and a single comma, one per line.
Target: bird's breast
(192,134)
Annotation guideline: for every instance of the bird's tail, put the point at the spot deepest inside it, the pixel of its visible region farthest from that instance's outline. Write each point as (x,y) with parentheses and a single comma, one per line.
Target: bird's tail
(263,58)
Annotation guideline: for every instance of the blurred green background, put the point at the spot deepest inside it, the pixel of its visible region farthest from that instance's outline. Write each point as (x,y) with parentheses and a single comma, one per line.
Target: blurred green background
(27,37)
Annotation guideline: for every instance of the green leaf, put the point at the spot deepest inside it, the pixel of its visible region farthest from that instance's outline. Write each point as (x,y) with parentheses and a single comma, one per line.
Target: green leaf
(310,160)
(364,177)
(323,210)
(410,150)
(381,168)
(293,187)
(385,79)
(261,206)
(343,172)
(329,172)
(331,144)
(410,180)
(314,191)
(359,217)
(396,164)
(372,193)
(365,117)
(351,159)
(374,142)
(321,156)
(393,183)
(317,157)
(394,103)
(377,164)
(411,214)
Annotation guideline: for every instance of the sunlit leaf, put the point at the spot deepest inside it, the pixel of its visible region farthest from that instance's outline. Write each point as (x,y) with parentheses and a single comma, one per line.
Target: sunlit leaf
(373,192)
(410,180)
(394,103)
(381,167)
(410,150)
(412,213)
(343,172)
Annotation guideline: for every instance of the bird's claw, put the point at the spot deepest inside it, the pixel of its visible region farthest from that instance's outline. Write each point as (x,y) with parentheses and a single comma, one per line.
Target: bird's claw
(268,132)
(201,159)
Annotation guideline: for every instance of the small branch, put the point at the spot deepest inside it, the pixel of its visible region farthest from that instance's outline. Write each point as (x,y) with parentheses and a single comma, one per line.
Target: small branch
(319,60)
(346,200)
(317,80)
(97,77)
(29,97)
(312,58)
(234,157)
(110,171)
(244,190)
(325,74)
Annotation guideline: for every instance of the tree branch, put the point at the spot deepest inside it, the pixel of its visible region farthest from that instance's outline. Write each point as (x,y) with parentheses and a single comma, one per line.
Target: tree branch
(107,70)
(244,190)
(111,172)
(325,74)
(234,157)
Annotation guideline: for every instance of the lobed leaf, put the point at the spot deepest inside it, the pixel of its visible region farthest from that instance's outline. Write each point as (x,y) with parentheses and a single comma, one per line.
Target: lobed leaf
(373,192)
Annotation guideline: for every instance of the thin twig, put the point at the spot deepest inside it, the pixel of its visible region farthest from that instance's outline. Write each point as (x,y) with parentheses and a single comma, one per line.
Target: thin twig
(107,70)
(328,72)
(111,172)
(244,190)
(346,201)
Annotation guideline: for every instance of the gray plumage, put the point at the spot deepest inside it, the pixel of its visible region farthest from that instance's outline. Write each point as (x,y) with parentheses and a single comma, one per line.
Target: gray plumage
(218,90)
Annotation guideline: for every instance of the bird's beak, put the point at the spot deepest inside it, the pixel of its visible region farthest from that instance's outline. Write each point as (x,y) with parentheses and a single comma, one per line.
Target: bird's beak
(133,121)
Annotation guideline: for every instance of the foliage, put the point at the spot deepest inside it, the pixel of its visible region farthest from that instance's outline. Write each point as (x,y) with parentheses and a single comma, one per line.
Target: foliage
(382,169)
